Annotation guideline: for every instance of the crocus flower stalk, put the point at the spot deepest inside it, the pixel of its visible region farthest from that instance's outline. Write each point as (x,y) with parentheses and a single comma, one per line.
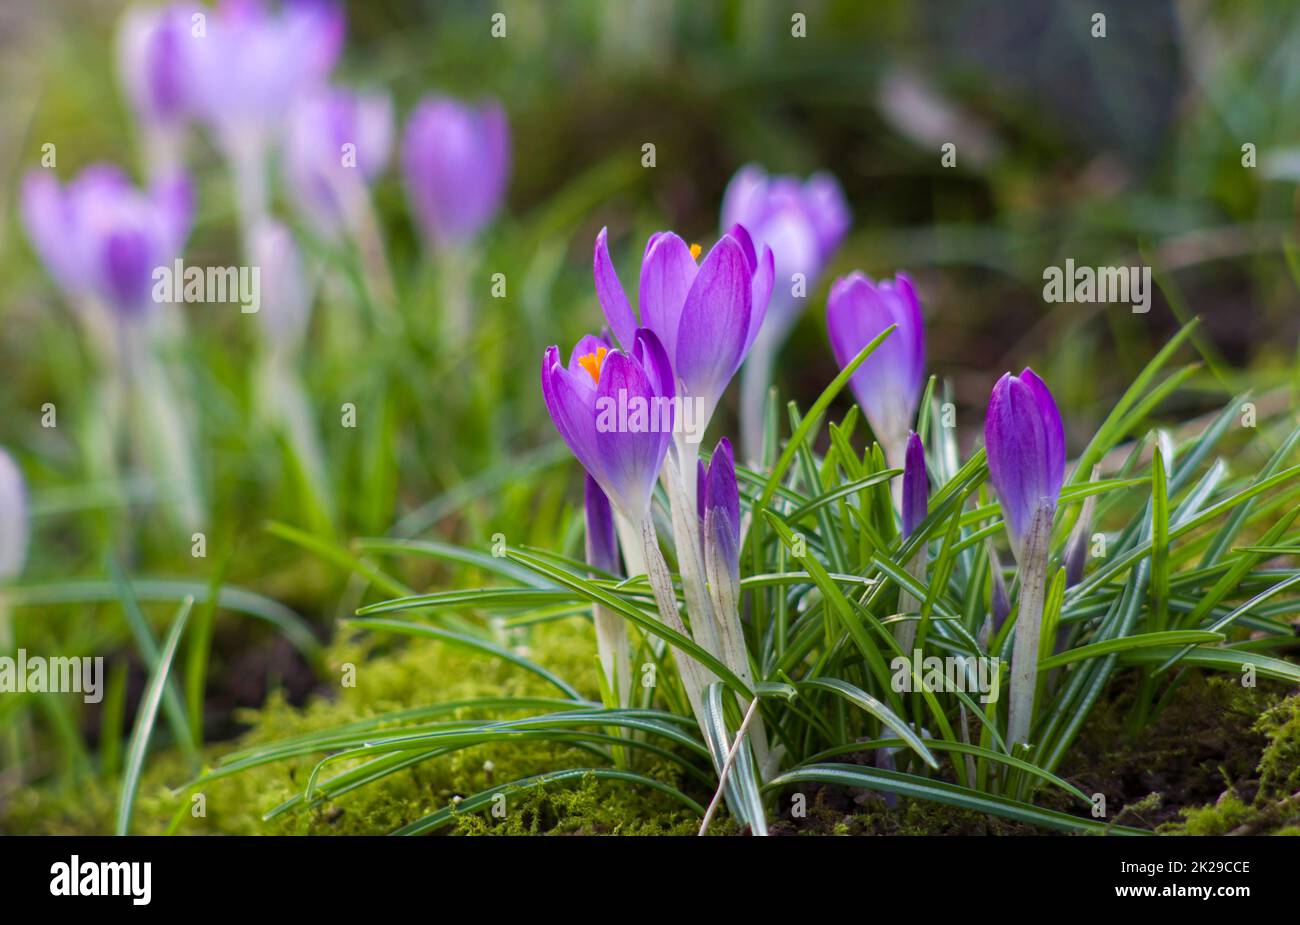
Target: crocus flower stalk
(803,223)
(611,631)
(456,164)
(888,385)
(1025,442)
(15,531)
(623,456)
(337,143)
(278,388)
(916,505)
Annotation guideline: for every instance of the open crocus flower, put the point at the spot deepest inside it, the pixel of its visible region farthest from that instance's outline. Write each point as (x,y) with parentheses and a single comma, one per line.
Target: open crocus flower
(1026,452)
(615,412)
(706,315)
(889,383)
(337,142)
(456,160)
(101,236)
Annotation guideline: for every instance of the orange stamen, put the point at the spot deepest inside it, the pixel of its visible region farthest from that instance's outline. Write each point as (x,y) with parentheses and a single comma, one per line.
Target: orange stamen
(695,251)
(592,363)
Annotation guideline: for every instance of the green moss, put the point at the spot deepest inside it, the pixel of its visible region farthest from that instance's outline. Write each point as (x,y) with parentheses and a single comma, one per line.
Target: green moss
(412,673)
(1275,807)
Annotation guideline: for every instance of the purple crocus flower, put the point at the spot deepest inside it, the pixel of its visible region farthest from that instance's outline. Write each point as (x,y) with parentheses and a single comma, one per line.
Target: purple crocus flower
(706,315)
(802,222)
(889,383)
(337,142)
(155,62)
(1026,452)
(916,488)
(251,64)
(101,236)
(614,410)
(456,160)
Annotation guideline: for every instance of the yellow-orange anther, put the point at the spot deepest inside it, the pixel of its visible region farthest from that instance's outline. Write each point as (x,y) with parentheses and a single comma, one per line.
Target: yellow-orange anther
(592,363)
(695,251)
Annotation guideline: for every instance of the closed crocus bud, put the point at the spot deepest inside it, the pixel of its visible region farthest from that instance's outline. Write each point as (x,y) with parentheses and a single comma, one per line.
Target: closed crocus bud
(100,235)
(1025,441)
(337,143)
(722,504)
(889,383)
(286,294)
(14,523)
(155,62)
(614,411)
(916,488)
(456,161)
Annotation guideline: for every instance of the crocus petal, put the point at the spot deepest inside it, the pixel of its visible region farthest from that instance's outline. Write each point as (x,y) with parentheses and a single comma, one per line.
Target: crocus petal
(916,489)
(714,325)
(572,411)
(666,277)
(630,455)
(46,221)
(650,353)
(1053,431)
(602,541)
(764,276)
(613,300)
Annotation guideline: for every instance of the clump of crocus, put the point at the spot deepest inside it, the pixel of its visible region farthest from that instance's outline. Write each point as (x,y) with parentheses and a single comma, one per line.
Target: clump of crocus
(624,452)
(337,142)
(250,65)
(101,238)
(888,385)
(1025,441)
(803,222)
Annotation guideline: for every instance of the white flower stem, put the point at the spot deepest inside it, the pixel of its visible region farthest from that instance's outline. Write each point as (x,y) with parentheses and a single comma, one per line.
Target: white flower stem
(1029,625)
